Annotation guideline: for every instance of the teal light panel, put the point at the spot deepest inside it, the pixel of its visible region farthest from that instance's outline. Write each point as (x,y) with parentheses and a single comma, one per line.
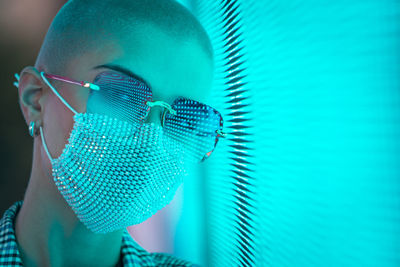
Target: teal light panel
(310,94)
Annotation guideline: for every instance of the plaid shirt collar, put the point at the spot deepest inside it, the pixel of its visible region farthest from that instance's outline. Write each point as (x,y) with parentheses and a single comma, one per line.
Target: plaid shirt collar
(132,254)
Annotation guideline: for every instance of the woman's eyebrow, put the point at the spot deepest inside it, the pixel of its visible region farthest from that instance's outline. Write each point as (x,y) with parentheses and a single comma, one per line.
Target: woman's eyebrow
(124,70)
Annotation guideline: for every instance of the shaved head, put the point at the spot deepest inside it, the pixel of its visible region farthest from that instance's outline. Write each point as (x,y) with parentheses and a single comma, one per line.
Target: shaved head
(81,25)
(158,41)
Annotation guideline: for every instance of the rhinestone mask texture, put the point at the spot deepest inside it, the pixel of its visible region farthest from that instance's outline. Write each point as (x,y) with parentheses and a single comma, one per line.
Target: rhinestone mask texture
(114,173)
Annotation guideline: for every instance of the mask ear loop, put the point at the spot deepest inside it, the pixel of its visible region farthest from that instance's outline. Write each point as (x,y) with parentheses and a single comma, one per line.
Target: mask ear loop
(64,102)
(16,84)
(57,94)
(45,145)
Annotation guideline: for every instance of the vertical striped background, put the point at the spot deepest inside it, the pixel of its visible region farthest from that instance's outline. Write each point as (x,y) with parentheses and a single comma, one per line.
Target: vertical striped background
(310,92)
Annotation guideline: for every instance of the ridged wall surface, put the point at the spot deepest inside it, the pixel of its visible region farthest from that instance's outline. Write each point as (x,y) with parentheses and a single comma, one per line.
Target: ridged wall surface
(310,92)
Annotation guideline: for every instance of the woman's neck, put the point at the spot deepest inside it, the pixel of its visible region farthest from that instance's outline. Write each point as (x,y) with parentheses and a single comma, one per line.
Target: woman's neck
(49,234)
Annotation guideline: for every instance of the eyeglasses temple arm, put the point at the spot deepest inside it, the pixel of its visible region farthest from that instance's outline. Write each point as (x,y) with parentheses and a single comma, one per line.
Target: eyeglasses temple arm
(16,83)
(68,80)
(43,75)
(63,79)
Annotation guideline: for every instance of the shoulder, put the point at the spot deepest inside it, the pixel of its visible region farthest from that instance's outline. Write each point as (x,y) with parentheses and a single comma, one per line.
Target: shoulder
(163,259)
(9,254)
(134,255)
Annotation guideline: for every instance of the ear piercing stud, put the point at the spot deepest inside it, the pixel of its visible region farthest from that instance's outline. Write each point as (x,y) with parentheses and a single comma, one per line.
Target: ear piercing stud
(32,129)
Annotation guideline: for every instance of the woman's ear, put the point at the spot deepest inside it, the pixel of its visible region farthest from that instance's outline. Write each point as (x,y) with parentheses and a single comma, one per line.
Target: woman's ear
(30,90)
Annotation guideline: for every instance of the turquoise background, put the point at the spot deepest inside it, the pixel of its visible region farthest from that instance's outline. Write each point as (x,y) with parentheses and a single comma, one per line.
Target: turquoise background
(310,176)
(311,173)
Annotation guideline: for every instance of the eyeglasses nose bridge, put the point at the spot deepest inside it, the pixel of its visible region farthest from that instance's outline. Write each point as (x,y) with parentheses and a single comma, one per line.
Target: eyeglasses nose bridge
(162,104)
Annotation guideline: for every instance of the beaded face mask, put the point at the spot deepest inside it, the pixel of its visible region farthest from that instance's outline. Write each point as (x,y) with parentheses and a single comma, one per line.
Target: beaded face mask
(116,170)
(112,178)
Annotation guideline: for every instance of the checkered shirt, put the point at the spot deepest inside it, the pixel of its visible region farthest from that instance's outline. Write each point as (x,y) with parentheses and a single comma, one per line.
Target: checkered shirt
(132,254)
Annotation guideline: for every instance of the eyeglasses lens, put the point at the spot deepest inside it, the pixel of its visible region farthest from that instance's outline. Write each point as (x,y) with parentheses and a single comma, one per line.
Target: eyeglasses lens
(124,97)
(195,126)
(121,96)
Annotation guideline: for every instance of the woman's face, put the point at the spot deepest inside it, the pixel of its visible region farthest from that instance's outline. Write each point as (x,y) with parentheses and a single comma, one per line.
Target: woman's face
(172,67)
